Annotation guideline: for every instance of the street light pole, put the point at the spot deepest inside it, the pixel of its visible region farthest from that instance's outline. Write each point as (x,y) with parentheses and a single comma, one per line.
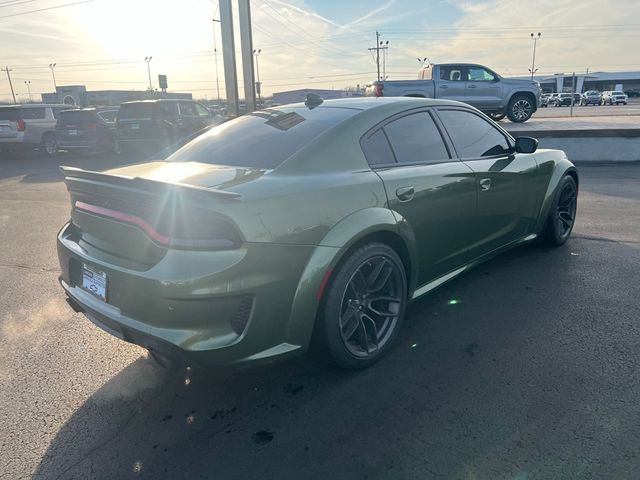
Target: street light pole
(215,56)
(535,39)
(258,84)
(148,60)
(52,66)
(28,84)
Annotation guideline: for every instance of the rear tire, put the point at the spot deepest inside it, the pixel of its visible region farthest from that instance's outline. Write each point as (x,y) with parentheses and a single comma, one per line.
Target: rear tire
(363,307)
(562,214)
(49,145)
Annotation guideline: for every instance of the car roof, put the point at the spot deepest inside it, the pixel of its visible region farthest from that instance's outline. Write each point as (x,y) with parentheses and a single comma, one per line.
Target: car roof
(367,103)
(158,100)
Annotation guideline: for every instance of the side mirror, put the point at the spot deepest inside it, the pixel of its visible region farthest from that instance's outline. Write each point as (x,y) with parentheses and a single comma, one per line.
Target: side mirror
(526,145)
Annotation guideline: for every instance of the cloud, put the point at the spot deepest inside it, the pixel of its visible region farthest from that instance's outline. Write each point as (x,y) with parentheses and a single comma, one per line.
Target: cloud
(372,13)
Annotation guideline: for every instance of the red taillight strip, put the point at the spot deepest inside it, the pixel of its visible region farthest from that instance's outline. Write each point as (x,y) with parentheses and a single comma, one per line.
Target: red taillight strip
(125,217)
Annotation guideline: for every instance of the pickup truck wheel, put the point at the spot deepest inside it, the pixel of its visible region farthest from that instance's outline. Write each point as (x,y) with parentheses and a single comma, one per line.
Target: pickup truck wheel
(496,117)
(520,108)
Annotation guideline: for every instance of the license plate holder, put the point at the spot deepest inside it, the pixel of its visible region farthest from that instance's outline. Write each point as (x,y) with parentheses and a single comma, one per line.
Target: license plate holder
(94,281)
(73,132)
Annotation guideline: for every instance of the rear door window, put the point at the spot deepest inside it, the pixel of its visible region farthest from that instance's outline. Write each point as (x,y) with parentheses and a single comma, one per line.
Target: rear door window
(188,109)
(378,150)
(472,135)
(452,73)
(415,138)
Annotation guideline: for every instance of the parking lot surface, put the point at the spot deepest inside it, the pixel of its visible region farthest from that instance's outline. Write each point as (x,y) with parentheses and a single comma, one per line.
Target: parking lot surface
(527,367)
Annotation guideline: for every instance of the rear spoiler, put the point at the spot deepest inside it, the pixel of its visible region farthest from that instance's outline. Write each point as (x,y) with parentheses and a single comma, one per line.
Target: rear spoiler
(144,184)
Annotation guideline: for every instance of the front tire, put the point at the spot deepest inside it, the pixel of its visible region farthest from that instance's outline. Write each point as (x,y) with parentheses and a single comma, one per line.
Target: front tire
(562,213)
(363,307)
(520,108)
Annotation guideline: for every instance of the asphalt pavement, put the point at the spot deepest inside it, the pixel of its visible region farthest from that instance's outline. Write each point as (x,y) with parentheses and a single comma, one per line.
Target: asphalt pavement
(527,367)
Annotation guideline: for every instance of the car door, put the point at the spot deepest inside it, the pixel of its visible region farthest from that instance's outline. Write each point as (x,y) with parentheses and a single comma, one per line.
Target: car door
(204,116)
(451,83)
(505,180)
(434,193)
(483,88)
(189,118)
(36,123)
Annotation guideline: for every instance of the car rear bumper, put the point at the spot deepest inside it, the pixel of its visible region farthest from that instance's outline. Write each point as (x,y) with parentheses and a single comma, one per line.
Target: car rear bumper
(80,144)
(17,139)
(199,308)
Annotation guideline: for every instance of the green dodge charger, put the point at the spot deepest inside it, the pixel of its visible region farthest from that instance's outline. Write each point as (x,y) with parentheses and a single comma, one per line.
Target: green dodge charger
(307,223)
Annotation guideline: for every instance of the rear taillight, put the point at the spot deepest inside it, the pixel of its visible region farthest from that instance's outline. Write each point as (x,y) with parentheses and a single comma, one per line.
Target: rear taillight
(378,91)
(188,230)
(21,125)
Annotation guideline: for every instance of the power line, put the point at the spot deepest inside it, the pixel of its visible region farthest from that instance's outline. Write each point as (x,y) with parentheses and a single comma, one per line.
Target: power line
(46,8)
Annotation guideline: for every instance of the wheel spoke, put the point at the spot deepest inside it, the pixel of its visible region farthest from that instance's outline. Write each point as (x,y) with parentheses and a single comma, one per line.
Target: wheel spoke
(566,219)
(359,283)
(362,336)
(382,273)
(392,306)
(349,322)
(372,343)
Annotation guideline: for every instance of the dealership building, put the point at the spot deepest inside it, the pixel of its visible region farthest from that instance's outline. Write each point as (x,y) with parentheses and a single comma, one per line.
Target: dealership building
(78,95)
(601,81)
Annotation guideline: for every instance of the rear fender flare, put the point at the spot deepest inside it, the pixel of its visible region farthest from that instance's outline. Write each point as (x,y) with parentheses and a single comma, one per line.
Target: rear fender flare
(326,256)
(563,167)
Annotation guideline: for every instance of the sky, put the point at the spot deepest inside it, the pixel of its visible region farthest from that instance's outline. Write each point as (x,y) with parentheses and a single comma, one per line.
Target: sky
(304,43)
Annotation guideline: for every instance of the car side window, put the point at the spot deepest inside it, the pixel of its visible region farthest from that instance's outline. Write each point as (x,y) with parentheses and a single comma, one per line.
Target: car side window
(170,108)
(188,109)
(472,135)
(32,113)
(202,112)
(377,149)
(479,74)
(452,73)
(415,138)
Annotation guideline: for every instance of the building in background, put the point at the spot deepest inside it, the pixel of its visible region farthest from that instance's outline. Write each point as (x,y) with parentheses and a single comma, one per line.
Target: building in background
(628,82)
(295,96)
(79,96)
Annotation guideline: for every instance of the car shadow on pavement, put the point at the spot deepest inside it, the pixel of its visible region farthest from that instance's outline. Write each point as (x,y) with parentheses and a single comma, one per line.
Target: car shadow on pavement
(486,380)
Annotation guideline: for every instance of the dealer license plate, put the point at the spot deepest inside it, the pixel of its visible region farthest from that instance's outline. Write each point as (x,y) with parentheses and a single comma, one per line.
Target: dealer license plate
(94,282)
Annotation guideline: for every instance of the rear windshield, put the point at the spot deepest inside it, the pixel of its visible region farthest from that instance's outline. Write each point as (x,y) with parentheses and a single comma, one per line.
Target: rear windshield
(262,139)
(137,110)
(10,113)
(76,118)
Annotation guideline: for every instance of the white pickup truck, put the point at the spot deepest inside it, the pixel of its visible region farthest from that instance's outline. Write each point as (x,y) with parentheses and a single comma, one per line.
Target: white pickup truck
(476,85)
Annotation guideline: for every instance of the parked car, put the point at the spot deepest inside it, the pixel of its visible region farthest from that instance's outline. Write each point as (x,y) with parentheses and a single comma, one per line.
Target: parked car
(563,99)
(473,84)
(552,98)
(87,129)
(30,126)
(576,98)
(614,97)
(159,123)
(544,100)
(591,97)
(202,258)
(632,93)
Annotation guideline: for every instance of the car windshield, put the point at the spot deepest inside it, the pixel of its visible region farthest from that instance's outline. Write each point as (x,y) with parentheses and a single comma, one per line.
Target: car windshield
(618,93)
(263,139)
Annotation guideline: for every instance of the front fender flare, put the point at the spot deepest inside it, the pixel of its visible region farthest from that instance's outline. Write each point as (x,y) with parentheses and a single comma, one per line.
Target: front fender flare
(562,168)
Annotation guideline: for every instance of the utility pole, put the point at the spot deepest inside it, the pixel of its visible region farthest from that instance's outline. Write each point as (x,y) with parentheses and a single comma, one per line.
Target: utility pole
(6,69)
(379,46)
(246,49)
(229,56)
(215,56)
(28,84)
(535,39)
(384,47)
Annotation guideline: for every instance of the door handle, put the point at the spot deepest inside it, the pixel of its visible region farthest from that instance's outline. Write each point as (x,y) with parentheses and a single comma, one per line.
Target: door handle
(444,86)
(485,184)
(473,86)
(405,194)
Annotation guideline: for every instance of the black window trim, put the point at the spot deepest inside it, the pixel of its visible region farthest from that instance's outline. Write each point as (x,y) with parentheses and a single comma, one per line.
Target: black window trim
(510,140)
(380,125)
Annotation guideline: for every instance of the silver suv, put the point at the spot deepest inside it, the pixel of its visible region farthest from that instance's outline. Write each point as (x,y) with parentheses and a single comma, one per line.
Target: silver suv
(614,97)
(25,127)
